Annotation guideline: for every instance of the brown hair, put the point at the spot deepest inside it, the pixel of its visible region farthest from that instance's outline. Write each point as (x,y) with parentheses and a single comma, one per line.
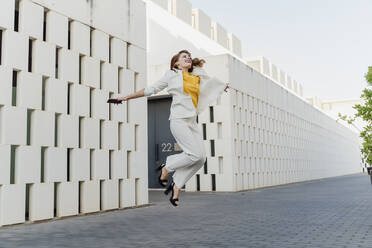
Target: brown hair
(195,61)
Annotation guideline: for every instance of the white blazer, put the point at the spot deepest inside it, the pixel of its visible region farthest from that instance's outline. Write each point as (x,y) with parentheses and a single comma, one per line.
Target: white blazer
(182,106)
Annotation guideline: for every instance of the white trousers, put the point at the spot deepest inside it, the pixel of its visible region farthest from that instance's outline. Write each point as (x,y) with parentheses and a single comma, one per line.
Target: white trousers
(189,137)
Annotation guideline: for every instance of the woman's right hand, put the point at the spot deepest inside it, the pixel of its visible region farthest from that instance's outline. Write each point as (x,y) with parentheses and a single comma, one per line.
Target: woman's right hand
(115,100)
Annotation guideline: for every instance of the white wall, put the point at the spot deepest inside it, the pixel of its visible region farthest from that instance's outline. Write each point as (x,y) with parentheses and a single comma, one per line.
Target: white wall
(289,82)
(57,133)
(220,34)
(274,72)
(282,78)
(203,22)
(315,102)
(167,35)
(265,135)
(344,107)
(162,3)
(265,67)
(235,45)
(255,64)
(260,64)
(183,10)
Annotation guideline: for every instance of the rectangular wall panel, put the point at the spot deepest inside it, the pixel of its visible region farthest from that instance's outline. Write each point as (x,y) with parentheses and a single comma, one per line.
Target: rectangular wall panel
(7,14)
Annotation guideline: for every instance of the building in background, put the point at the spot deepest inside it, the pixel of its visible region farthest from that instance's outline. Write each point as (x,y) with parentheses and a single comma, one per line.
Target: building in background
(344,107)
(270,70)
(64,150)
(262,133)
(172,25)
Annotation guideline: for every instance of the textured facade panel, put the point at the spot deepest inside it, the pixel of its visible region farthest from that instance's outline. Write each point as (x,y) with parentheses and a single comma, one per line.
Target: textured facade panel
(89,134)
(67,199)
(219,34)
(118,52)
(57,29)
(109,135)
(235,45)
(59,139)
(56,96)
(127,136)
(55,164)
(68,65)
(183,10)
(110,194)
(31,19)
(12,203)
(100,45)
(43,58)
(7,14)
(6,86)
(80,37)
(41,204)
(13,129)
(99,107)
(42,128)
(79,164)
(127,192)
(137,22)
(202,22)
(119,111)
(90,72)
(67,131)
(274,72)
(100,164)
(15,50)
(109,77)
(126,82)
(90,196)
(29,90)
(5,164)
(27,165)
(119,164)
(136,59)
(79,100)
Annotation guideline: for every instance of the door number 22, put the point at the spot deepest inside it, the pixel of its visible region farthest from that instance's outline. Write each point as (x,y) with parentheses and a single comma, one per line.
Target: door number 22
(166,147)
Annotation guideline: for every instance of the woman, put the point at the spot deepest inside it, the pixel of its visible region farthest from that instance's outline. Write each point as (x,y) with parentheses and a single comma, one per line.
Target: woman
(192,91)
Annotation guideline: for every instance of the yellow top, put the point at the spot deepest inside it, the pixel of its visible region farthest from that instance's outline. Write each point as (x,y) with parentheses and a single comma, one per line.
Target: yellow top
(191,86)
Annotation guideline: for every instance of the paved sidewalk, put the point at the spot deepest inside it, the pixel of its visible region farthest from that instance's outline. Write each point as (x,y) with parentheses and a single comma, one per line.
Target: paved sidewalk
(331,213)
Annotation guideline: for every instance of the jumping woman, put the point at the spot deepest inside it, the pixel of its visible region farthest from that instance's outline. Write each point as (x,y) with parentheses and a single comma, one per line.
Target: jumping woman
(192,90)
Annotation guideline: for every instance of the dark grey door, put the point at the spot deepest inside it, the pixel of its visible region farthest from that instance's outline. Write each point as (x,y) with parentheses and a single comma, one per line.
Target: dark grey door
(160,140)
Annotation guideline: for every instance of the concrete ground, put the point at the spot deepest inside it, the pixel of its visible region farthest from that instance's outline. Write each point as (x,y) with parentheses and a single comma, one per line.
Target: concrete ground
(332,212)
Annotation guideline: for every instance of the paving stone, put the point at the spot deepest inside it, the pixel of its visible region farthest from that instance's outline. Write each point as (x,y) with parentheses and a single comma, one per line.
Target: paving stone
(323,213)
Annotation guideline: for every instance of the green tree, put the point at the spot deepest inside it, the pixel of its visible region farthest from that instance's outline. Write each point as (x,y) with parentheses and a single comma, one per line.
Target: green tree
(364,111)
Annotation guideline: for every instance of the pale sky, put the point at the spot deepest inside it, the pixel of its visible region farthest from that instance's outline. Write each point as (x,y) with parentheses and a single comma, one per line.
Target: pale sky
(326,45)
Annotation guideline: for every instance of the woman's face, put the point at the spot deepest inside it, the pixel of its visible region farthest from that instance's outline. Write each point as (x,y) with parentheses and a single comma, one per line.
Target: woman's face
(184,61)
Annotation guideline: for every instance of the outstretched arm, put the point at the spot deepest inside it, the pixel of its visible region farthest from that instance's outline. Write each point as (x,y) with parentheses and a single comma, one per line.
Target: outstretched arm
(203,75)
(118,100)
(137,94)
(149,90)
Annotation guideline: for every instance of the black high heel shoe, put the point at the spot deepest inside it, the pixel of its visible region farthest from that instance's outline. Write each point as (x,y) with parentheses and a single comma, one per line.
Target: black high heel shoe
(161,181)
(170,188)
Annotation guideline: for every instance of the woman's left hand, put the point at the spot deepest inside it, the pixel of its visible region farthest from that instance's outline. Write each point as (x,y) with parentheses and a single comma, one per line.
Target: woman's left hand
(227,86)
